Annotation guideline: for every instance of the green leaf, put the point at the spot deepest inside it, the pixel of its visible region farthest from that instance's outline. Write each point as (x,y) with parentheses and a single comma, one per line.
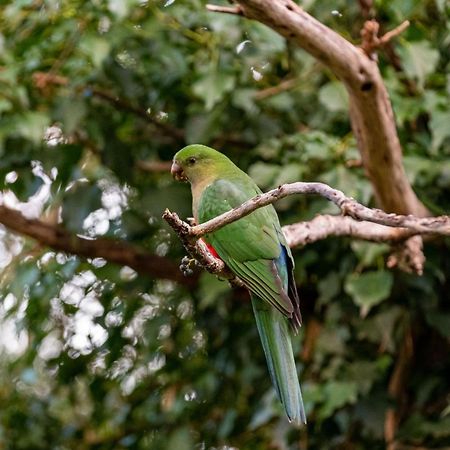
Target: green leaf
(363,374)
(5,105)
(79,202)
(180,439)
(369,289)
(419,60)
(72,111)
(135,225)
(264,174)
(96,48)
(416,427)
(380,327)
(438,429)
(65,158)
(210,289)
(245,99)
(337,395)
(24,278)
(265,411)
(32,125)
(212,87)
(439,321)
(368,252)
(202,127)
(349,182)
(120,8)
(439,126)
(289,174)
(329,287)
(334,97)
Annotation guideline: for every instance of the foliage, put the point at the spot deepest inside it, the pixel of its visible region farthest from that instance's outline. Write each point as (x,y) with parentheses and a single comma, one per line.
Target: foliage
(97,356)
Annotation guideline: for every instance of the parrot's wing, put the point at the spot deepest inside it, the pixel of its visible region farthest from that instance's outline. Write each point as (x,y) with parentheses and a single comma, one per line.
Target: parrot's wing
(250,246)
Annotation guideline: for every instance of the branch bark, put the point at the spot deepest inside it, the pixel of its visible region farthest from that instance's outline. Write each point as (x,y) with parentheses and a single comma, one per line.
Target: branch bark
(396,388)
(361,222)
(348,206)
(370,39)
(113,251)
(154,166)
(324,226)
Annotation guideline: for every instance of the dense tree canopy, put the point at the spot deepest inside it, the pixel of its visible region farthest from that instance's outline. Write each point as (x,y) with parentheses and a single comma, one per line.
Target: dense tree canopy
(106,345)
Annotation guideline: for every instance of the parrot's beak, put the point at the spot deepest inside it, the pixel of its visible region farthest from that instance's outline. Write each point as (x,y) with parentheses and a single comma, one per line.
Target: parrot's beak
(177,172)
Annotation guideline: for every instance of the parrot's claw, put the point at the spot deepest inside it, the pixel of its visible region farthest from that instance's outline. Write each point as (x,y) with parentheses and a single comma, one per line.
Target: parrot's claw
(186,266)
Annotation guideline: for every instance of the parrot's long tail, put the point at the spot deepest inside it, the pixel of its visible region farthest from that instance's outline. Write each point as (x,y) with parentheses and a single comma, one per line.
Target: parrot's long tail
(273,330)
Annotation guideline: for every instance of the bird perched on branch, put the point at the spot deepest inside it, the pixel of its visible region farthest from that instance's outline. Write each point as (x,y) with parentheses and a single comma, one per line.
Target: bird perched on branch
(255,250)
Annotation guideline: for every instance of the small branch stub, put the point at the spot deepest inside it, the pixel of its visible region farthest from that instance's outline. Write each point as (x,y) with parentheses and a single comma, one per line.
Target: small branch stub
(370,39)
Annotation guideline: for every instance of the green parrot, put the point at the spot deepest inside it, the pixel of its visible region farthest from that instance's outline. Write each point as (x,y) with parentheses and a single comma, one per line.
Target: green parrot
(255,250)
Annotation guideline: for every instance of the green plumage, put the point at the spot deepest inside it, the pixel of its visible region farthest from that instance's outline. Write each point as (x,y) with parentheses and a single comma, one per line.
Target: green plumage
(255,249)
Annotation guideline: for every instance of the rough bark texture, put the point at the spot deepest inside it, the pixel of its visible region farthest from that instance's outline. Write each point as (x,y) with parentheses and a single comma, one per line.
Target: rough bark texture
(348,206)
(324,226)
(371,112)
(361,223)
(114,251)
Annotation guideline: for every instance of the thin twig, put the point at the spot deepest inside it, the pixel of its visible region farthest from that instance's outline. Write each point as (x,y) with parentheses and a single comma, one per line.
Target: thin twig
(225,9)
(275,90)
(370,39)
(44,80)
(125,105)
(154,166)
(394,33)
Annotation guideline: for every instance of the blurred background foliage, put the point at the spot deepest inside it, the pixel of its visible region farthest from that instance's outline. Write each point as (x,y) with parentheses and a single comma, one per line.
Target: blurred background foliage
(95,98)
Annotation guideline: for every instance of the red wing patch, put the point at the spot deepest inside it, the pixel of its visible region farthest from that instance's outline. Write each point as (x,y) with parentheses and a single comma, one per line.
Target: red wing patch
(212,250)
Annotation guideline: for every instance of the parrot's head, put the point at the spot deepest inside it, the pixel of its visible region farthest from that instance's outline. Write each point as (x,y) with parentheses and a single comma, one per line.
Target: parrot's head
(196,163)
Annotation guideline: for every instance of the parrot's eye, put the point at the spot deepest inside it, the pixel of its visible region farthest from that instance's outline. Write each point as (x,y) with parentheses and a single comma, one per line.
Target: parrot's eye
(192,160)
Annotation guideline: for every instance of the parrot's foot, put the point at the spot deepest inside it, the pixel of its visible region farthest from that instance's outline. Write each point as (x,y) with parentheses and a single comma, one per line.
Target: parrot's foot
(186,266)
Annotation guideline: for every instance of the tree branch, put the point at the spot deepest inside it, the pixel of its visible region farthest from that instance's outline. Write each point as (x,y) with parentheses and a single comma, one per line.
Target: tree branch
(298,234)
(154,166)
(114,251)
(396,388)
(44,80)
(361,222)
(348,206)
(225,9)
(125,105)
(324,226)
(388,36)
(275,90)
